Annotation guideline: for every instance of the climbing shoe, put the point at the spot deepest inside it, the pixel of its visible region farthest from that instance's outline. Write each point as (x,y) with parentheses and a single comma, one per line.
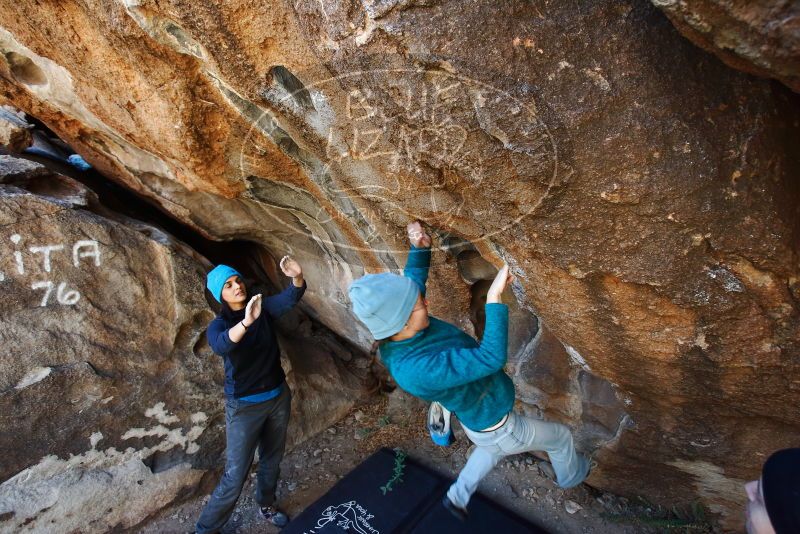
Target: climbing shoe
(460,513)
(439,424)
(592,467)
(274,516)
(546,469)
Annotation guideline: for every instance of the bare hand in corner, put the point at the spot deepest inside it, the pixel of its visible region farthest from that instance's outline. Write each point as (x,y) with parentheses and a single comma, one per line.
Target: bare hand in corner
(501,281)
(417,235)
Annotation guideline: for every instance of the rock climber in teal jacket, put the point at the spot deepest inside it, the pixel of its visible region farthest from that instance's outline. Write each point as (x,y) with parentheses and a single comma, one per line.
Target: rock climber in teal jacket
(436,361)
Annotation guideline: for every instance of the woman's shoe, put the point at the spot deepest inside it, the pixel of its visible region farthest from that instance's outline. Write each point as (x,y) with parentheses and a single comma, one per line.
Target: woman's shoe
(274,516)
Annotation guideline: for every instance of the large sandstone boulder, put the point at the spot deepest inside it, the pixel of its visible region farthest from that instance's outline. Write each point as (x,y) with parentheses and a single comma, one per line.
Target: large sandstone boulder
(111,398)
(108,405)
(644,193)
(757,36)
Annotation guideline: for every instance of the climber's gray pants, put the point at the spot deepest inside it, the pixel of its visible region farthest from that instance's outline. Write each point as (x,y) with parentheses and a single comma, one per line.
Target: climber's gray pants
(247,426)
(519,434)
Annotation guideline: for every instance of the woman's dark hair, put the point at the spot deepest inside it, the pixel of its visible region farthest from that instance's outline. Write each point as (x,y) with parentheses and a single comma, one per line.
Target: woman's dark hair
(225,310)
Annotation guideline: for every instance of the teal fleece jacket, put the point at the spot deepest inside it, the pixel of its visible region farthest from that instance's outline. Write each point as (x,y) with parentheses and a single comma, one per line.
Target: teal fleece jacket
(442,363)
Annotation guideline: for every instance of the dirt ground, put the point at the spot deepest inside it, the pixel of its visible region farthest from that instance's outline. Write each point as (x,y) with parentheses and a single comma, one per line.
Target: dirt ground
(397,420)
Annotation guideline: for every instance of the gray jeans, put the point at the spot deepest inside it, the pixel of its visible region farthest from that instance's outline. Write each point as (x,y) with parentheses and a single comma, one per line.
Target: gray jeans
(519,434)
(247,426)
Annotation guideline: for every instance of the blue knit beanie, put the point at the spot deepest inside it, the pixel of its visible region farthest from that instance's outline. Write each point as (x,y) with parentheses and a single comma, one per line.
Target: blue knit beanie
(217,278)
(383,302)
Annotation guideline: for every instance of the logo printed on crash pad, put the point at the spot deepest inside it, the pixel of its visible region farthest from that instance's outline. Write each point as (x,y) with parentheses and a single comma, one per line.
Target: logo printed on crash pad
(349,516)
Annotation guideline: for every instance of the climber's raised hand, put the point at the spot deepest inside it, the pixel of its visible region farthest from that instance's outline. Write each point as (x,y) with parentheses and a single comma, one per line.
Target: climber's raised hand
(501,281)
(417,235)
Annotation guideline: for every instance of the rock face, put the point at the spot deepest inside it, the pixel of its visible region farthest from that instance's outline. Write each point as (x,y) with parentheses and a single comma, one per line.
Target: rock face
(111,400)
(761,37)
(644,193)
(110,405)
(15,133)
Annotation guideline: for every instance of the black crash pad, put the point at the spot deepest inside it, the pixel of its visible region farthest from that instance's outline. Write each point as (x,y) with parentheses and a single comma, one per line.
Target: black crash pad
(390,493)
